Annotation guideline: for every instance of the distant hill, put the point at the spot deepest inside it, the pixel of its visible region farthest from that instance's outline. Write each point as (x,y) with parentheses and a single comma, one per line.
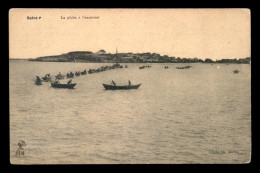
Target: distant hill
(102,56)
(75,56)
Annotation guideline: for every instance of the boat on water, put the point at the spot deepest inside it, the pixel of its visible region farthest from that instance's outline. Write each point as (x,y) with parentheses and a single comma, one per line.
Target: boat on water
(59,85)
(59,76)
(122,87)
(70,75)
(46,79)
(236,71)
(38,81)
(83,72)
(186,67)
(77,73)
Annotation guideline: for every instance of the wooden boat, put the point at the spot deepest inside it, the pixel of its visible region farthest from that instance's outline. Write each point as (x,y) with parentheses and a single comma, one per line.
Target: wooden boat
(70,75)
(38,82)
(59,76)
(77,73)
(236,71)
(46,79)
(59,85)
(84,72)
(123,87)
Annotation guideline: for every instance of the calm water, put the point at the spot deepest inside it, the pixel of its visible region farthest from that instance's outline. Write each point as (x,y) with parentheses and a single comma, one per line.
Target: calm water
(196,115)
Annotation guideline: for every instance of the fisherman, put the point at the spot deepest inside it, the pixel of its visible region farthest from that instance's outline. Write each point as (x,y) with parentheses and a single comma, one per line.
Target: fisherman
(129,83)
(56,81)
(38,78)
(113,82)
(69,82)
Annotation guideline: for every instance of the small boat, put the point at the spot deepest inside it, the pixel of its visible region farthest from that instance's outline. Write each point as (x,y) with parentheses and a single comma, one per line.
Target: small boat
(38,81)
(84,72)
(77,73)
(46,79)
(236,71)
(123,87)
(70,75)
(59,85)
(59,76)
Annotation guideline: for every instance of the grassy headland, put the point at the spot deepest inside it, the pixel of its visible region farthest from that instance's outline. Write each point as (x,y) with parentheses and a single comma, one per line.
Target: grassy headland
(103,57)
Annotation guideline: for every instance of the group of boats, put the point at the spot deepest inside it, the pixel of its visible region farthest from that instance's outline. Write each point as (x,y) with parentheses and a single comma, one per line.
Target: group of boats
(113,86)
(185,67)
(145,66)
(70,85)
(105,68)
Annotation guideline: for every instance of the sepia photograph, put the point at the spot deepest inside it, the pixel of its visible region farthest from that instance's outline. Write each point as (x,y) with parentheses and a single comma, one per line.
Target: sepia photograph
(130,86)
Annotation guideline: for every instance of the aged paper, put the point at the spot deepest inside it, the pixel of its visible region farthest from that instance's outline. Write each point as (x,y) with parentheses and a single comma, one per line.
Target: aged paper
(134,86)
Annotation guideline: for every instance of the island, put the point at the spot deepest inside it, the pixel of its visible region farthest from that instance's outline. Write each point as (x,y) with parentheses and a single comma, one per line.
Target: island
(103,57)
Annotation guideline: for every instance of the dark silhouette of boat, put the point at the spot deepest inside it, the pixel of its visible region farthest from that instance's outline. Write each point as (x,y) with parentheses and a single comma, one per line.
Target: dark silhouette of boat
(77,73)
(123,87)
(59,85)
(70,75)
(59,76)
(46,78)
(236,71)
(186,67)
(38,81)
(84,72)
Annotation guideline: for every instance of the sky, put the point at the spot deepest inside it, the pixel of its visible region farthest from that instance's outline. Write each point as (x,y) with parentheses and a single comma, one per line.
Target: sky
(185,33)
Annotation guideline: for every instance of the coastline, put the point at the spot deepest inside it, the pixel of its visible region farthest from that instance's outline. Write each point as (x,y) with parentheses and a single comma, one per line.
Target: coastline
(103,57)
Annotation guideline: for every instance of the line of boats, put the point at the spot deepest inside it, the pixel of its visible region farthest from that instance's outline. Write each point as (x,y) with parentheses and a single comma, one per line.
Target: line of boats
(70,85)
(145,66)
(185,67)
(113,86)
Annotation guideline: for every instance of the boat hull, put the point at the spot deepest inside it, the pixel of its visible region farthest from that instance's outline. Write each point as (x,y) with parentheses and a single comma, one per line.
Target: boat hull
(69,86)
(38,82)
(126,87)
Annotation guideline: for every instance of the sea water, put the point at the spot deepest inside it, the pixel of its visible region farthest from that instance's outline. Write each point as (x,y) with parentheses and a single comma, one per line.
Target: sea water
(196,115)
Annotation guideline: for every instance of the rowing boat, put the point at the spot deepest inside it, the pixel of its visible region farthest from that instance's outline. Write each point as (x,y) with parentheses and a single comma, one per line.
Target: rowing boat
(123,87)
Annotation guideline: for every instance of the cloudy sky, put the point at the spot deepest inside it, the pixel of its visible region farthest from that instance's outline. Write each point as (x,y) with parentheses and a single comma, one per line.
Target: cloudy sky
(201,33)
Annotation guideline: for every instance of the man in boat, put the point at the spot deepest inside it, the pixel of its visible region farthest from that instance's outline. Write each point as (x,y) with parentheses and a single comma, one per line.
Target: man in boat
(113,82)
(38,78)
(129,83)
(56,81)
(69,82)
